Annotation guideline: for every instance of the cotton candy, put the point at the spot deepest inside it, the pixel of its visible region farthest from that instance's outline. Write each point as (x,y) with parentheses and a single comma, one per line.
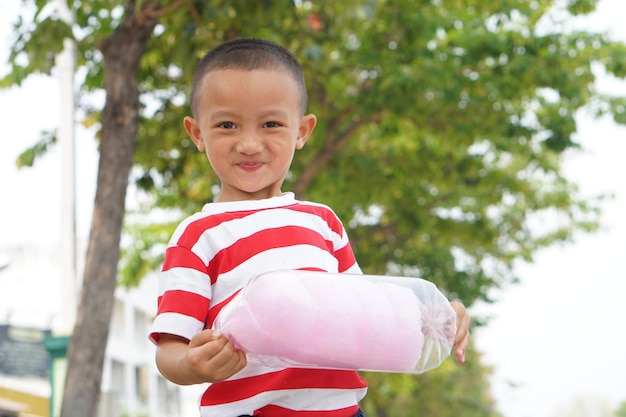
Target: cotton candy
(340,321)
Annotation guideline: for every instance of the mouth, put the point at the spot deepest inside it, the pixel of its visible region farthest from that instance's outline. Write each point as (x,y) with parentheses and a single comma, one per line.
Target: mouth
(250,166)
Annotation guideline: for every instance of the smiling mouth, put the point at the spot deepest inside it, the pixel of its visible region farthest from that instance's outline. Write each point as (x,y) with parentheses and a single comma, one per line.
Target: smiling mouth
(250,166)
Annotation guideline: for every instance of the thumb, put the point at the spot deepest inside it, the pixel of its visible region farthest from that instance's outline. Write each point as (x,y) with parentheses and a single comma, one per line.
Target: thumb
(205,336)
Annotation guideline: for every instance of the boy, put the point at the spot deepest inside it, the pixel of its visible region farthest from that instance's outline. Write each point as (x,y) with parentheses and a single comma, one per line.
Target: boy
(249,103)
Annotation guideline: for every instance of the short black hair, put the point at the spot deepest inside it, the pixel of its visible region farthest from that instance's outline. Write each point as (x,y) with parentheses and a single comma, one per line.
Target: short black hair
(248,54)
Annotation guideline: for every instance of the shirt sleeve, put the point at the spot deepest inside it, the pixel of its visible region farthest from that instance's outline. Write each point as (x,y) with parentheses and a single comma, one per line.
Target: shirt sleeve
(184,295)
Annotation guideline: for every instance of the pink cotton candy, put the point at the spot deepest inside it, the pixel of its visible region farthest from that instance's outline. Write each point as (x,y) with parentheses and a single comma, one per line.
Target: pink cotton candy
(313,319)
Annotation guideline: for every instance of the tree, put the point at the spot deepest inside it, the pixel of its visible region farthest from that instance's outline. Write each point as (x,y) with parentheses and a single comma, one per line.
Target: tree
(442,128)
(455,125)
(117,144)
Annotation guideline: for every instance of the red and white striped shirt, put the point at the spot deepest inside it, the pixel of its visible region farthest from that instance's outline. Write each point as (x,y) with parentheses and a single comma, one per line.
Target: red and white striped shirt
(213,254)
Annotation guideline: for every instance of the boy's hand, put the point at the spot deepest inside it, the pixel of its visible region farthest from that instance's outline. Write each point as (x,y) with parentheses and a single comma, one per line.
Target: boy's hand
(462,338)
(208,357)
(212,357)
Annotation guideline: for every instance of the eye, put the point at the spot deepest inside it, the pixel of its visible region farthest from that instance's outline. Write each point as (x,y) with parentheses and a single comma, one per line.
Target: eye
(226,125)
(272,124)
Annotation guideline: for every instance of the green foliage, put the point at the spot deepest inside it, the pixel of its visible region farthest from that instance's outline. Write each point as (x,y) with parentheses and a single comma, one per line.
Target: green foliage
(27,157)
(35,47)
(449,390)
(449,121)
(145,254)
(581,6)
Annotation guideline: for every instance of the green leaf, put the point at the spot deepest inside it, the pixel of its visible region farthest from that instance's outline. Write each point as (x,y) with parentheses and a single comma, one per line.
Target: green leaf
(28,157)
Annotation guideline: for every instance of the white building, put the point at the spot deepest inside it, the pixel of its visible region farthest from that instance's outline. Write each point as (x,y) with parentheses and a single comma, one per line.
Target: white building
(30,297)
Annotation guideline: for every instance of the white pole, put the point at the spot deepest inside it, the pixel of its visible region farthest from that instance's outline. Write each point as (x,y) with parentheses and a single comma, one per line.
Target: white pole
(66,139)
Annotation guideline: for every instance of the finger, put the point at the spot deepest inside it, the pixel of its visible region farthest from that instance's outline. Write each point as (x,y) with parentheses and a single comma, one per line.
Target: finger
(461,348)
(462,329)
(460,355)
(204,346)
(227,361)
(200,338)
(462,337)
(236,363)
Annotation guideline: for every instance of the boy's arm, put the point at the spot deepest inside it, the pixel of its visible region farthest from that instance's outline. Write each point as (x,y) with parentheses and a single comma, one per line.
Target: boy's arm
(207,357)
(462,338)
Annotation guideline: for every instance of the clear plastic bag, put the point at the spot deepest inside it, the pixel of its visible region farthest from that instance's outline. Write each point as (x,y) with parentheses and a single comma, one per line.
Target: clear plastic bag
(340,321)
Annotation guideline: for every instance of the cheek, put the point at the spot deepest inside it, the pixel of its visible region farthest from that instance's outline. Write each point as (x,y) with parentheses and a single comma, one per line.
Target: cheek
(216,155)
(215,148)
(288,150)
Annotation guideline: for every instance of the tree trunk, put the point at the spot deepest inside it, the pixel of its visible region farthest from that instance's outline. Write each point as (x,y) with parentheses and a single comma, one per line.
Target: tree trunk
(122,53)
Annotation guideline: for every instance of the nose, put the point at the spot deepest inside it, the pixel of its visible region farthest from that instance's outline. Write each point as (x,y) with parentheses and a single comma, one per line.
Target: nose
(249,143)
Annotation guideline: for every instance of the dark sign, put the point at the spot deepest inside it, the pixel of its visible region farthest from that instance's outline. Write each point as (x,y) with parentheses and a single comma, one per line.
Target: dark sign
(22,352)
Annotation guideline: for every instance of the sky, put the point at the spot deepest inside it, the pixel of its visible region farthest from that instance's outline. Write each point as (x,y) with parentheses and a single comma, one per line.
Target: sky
(555,340)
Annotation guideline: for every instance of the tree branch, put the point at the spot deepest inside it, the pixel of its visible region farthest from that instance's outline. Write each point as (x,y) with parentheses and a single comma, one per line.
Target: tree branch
(153,11)
(330,147)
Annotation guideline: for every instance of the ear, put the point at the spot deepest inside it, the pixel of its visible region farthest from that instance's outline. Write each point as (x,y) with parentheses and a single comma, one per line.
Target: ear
(307,125)
(193,130)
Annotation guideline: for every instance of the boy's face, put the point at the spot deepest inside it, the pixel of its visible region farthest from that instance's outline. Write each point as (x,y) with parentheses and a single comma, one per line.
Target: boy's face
(249,124)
